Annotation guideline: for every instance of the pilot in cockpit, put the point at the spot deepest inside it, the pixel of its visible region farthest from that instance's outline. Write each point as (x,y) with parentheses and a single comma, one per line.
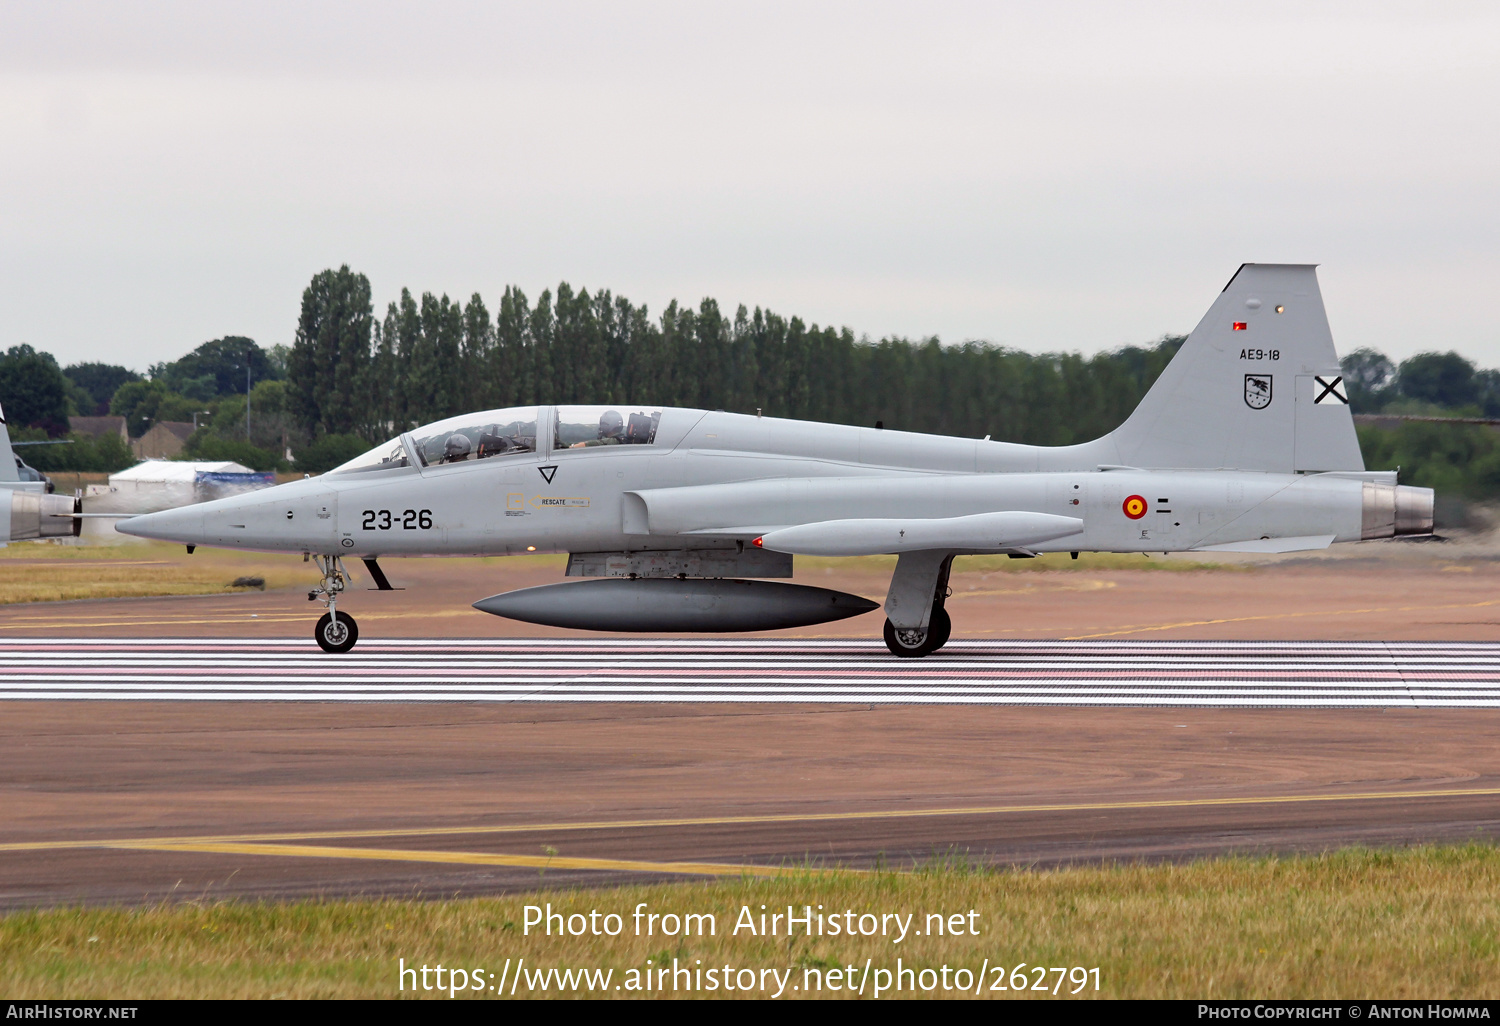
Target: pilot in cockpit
(611,431)
(457,448)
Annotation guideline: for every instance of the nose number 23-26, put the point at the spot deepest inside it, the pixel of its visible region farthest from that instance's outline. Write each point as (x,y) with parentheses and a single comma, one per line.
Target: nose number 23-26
(408,520)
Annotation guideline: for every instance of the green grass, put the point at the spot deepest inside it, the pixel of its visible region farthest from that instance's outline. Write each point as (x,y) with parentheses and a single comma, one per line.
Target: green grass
(47,572)
(1420,923)
(44,571)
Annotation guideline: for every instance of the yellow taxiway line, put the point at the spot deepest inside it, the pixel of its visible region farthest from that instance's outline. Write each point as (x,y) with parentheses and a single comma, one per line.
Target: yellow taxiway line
(469,858)
(257,840)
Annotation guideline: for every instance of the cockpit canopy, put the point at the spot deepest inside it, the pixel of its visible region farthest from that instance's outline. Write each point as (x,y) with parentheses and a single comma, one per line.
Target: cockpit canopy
(582,427)
(469,436)
(479,436)
(387,456)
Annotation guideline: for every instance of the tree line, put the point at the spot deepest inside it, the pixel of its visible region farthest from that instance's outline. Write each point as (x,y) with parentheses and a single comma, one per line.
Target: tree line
(208,385)
(350,379)
(351,373)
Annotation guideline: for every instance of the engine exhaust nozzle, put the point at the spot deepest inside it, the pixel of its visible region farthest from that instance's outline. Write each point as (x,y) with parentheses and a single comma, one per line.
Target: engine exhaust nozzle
(1391,511)
(35,515)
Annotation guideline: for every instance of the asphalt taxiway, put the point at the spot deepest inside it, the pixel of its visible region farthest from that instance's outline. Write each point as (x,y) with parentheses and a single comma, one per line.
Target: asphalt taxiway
(186,748)
(151,800)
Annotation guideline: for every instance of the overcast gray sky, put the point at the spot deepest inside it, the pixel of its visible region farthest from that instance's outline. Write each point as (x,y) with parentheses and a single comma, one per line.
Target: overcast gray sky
(1047,176)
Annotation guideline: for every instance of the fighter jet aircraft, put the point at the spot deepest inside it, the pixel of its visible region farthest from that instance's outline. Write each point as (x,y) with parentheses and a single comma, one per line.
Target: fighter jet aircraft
(1245,443)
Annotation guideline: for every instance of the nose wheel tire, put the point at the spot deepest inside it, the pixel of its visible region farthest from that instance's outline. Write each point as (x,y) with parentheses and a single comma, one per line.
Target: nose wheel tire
(908,643)
(336,632)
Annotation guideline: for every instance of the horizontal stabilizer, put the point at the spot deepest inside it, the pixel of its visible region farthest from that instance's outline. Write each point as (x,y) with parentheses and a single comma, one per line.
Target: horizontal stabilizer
(984,532)
(99,516)
(1303,544)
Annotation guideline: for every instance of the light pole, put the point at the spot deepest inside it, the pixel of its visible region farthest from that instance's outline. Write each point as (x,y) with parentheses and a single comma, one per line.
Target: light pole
(197,414)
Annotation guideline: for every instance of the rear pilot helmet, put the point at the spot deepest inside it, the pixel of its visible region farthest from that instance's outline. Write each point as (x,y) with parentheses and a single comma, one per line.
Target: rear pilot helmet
(611,424)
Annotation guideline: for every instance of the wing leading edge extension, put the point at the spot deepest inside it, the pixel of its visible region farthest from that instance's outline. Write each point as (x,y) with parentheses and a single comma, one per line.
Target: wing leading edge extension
(984,532)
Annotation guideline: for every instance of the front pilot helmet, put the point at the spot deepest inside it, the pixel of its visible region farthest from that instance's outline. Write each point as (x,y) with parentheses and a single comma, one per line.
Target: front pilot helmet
(611,425)
(457,445)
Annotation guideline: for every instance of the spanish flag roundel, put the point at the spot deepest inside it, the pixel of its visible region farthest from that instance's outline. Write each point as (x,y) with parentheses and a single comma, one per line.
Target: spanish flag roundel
(1135,507)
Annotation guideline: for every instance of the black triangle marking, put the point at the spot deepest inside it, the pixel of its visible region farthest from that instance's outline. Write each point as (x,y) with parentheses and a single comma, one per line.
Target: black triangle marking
(547,473)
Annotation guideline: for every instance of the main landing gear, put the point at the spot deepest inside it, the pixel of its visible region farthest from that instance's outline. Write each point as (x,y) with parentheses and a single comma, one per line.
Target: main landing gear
(916,622)
(914,642)
(336,632)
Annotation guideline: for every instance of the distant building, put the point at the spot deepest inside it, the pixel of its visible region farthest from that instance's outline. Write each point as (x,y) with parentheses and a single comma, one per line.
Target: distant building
(164,441)
(99,427)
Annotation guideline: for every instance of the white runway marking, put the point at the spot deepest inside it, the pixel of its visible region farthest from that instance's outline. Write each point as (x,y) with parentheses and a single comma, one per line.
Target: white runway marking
(855,671)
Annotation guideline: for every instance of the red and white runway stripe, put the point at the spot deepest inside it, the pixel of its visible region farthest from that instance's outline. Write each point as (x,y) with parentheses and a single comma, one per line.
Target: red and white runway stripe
(781,670)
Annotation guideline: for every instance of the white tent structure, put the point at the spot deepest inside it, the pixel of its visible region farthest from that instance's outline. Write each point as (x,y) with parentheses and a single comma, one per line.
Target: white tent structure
(165,484)
(155,473)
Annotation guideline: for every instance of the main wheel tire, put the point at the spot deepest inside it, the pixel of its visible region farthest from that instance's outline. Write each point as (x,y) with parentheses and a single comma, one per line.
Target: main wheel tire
(336,635)
(940,628)
(908,642)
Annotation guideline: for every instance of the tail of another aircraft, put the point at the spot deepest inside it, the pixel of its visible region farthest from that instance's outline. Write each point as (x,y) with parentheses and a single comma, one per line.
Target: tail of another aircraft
(8,471)
(1256,386)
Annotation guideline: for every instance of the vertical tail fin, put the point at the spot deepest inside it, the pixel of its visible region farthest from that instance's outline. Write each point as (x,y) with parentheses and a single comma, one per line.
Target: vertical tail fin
(1256,386)
(8,471)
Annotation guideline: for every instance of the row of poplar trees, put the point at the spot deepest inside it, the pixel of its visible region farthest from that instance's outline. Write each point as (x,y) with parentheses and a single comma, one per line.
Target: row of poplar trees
(351,373)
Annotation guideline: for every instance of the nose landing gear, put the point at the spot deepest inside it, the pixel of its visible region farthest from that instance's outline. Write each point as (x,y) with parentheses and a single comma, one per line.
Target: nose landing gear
(335,632)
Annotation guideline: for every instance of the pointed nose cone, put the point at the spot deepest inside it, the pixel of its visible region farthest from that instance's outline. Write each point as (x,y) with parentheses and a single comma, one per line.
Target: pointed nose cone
(184,525)
(298,516)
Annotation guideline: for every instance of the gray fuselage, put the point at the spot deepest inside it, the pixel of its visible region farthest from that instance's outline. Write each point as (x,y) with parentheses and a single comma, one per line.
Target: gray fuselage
(713,479)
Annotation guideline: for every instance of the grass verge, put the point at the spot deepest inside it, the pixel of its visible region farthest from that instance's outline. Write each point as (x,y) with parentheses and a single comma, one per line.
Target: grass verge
(1419,923)
(45,572)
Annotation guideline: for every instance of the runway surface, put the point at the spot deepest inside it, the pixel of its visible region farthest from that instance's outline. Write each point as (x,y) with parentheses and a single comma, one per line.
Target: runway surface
(1224,674)
(139,802)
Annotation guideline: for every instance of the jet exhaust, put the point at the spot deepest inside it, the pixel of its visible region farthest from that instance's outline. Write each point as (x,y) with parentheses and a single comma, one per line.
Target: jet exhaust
(676,605)
(1392,511)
